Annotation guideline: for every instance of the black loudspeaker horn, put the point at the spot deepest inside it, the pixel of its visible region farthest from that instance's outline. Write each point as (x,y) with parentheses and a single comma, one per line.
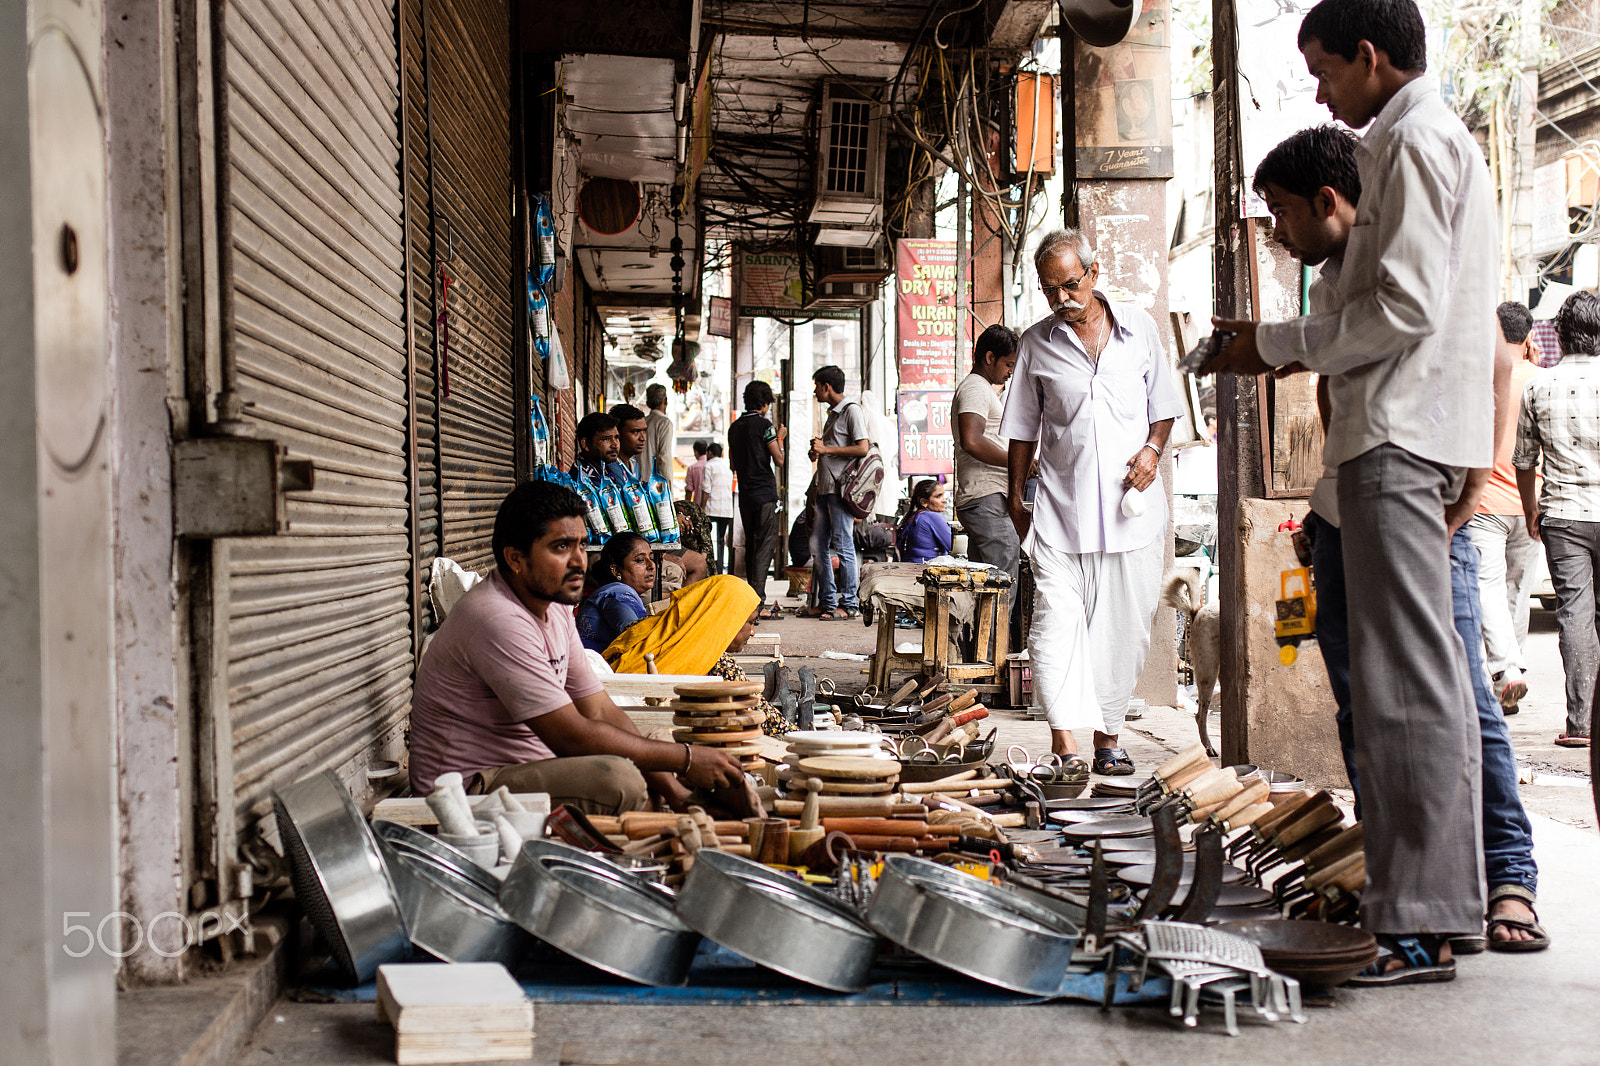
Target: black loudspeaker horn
(1100,23)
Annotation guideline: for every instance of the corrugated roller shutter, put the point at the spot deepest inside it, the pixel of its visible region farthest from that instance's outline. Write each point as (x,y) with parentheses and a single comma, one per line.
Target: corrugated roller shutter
(468,82)
(319,660)
(422,310)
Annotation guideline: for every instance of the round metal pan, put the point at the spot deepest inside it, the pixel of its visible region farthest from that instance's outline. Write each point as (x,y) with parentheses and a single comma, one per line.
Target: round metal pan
(1231,896)
(449,900)
(1091,803)
(777,921)
(972,926)
(1123,825)
(339,875)
(1144,874)
(598,913)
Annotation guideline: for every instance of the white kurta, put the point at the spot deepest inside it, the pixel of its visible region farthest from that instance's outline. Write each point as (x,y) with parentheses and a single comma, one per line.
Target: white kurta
(1097,572)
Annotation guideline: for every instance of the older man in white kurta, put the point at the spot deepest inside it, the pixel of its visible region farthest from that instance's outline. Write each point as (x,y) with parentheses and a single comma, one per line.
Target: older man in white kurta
(1093,399)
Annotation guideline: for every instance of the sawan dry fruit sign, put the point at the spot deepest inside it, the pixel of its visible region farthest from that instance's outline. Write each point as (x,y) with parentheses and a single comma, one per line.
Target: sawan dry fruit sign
(925,303)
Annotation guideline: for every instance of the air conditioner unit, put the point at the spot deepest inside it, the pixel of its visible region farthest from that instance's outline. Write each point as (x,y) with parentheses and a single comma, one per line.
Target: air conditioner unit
(849,179)
(844,279)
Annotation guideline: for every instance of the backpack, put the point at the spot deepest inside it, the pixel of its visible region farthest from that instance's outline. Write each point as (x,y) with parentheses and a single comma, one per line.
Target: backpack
(862,480)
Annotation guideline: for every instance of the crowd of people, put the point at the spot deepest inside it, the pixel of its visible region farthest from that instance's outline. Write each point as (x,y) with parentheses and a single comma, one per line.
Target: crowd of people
(1438,427)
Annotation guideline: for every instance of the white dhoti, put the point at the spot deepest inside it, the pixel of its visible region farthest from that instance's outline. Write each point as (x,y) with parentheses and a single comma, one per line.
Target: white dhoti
(1091,631)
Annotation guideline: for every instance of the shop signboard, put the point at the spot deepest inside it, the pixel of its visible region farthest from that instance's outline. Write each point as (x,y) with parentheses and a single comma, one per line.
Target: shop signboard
(927,445)
(769,286)
(925,311)
(719,323)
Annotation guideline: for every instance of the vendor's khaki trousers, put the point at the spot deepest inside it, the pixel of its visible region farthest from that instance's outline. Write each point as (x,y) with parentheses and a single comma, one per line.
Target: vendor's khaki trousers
(1091,631)
(1416,727)
(595,784)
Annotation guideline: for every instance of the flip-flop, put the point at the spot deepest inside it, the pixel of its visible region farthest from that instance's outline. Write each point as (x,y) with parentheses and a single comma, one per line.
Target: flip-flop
(1112,762)
(1567,741)
(769,612)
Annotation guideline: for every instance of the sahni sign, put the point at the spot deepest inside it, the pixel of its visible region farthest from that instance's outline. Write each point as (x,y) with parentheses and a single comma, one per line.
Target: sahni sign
(925,311)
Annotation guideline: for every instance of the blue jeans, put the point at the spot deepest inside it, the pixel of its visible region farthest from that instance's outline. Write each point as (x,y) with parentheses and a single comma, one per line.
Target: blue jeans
(1507,834)
(833,533)
(1333,632)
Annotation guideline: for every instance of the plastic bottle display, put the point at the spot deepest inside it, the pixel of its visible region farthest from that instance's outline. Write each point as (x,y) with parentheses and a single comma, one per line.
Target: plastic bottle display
(661,502)
(611,497)
(539,318)
(595,515)
(544,237)
(540,429)
(644,523)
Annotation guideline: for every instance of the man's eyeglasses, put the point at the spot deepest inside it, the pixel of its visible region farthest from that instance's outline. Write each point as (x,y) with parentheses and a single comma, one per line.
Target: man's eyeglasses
(1071,286)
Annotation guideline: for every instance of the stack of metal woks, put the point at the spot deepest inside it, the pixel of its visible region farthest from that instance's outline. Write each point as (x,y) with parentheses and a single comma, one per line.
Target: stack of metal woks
(598,913)
(1317,954)
(972,926)
(448,900)
(339,875)
(777,921)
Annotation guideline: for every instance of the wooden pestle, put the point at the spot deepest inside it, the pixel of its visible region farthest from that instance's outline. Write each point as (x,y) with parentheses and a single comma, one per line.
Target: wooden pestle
(889,827)
(810,831)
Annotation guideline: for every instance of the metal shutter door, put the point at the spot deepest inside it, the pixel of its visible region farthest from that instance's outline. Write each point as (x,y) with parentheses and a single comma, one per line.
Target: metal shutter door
(319,620)
(466,96)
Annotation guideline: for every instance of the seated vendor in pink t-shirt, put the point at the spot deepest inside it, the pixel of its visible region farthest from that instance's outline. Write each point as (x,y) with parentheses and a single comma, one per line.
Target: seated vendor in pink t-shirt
(504,695)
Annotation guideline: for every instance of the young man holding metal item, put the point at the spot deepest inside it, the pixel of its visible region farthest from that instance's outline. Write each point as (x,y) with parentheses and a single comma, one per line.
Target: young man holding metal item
(1410,350)
(1312,185)
(505,696)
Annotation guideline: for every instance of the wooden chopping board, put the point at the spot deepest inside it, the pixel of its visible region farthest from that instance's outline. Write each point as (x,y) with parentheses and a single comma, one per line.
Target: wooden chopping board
(705,708)
(690,736)
(847,768)
(718,690)
(715,722)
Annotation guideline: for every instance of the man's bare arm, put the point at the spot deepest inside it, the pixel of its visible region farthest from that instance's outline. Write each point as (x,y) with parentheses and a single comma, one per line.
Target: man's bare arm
(1527,488)
(1019,464)
(970,434)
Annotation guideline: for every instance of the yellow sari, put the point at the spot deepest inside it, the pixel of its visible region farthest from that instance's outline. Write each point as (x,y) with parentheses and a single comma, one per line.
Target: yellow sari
(690,635)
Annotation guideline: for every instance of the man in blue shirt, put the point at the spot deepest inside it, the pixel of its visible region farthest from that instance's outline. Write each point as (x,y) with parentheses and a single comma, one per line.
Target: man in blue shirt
(598,441)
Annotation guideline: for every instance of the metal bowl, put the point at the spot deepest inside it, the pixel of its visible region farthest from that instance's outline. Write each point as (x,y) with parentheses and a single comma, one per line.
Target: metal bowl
(972,926)
(777,921)
(449,900)
(339,875)
(598,913)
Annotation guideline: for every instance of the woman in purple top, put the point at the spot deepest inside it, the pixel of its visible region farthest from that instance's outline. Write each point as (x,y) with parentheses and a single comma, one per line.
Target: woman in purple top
(626,573)
(925,531)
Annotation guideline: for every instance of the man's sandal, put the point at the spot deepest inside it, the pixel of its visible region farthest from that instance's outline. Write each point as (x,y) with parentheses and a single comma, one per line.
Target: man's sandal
(1541,939)
(1420,955)
(1112,762)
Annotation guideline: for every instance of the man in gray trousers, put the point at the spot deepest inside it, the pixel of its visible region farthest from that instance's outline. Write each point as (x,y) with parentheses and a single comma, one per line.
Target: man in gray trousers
(1410,356)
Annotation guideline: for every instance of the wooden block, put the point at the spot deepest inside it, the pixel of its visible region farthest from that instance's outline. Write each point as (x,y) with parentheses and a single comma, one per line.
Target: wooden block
(420,1049)
(453,998)
(743,750)
(857,788)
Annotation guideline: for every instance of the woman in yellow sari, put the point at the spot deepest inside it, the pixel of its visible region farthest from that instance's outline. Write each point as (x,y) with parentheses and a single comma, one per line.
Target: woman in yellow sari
(706,622)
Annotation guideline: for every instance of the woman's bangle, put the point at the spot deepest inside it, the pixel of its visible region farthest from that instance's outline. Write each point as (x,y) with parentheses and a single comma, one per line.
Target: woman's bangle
(688,759)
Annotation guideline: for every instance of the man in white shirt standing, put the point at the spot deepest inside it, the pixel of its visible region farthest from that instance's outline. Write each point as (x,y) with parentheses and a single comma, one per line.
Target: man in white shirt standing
(660,435)
(1410,351)
(1094,400)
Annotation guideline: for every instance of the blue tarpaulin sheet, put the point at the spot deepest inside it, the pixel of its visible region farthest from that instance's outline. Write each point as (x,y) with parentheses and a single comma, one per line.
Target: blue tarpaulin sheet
(720,977)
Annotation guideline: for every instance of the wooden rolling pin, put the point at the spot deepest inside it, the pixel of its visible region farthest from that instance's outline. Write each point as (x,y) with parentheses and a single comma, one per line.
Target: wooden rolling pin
(957,788)
(637,825)
(849,807)
(889,827)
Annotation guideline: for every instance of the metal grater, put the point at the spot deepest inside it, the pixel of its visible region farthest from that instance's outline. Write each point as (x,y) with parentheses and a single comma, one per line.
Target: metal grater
(1195,943)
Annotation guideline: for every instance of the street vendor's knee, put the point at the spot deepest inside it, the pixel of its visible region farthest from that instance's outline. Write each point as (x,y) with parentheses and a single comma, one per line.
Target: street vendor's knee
(616,783)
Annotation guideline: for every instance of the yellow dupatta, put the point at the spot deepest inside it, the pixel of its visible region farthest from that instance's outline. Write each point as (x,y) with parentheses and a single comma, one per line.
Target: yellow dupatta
(691,634)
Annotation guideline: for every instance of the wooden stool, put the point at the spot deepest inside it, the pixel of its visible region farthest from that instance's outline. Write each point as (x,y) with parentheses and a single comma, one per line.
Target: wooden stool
(991,616)
(885,660)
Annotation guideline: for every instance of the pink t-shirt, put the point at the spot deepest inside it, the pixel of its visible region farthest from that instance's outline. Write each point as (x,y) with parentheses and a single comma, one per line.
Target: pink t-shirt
(488,672)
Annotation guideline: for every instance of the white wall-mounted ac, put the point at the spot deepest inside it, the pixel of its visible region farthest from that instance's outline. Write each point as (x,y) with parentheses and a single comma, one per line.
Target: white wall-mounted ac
(849,179)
